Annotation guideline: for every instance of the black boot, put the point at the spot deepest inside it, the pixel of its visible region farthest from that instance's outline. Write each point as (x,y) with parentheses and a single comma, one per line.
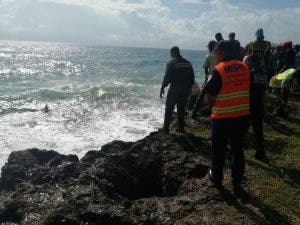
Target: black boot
(180,130)
(261,155)
(216,181)
(164,130)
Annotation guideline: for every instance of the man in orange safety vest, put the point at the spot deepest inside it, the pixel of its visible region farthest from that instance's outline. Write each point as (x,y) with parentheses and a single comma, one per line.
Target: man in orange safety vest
(228,94)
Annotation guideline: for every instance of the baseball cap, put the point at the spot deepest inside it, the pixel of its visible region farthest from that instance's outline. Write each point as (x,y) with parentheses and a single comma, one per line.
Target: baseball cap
(259,34)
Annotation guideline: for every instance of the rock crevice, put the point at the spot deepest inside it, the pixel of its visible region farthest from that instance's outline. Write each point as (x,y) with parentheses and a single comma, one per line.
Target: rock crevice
(160,179)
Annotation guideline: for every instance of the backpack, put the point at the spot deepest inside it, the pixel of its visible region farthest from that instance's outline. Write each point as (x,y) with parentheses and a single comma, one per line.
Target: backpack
(259,76)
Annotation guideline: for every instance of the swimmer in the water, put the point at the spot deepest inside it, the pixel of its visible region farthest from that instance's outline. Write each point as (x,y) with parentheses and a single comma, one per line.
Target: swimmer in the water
(45,109)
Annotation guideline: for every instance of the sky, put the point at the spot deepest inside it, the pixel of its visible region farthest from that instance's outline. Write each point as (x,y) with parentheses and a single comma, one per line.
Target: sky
(189,24)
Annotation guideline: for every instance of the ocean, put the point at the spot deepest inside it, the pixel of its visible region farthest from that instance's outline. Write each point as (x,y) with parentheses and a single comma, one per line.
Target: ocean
(95,95)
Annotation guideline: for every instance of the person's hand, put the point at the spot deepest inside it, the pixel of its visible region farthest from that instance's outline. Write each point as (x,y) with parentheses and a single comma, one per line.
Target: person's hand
(162,92)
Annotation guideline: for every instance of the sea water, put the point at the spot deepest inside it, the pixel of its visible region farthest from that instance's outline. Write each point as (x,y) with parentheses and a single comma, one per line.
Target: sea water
(95,95)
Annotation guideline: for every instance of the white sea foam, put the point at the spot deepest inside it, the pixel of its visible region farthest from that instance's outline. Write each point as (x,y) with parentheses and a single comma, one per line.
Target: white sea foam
(95,95)
(5,55)
(4,71)
(25,71)
(73,128)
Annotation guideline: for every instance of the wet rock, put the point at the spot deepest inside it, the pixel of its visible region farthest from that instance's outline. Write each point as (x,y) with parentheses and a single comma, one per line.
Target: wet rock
(160,179)
(34,165)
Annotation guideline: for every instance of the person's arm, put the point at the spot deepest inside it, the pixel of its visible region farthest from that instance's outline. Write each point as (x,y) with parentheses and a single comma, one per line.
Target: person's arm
(210,89)
(206,66)
(167,79)
(213,88)
(210,99)
(206,71)
(247,49)
(192,76)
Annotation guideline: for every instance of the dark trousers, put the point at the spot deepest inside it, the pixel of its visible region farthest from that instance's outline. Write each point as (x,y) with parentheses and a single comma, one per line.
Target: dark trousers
(192,101)
(284,96)
(178,97)
(257,126)
(226,131)
(257,114)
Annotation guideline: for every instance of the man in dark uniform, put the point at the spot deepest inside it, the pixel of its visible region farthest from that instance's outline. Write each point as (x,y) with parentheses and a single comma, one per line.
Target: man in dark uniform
(258,83)
(180,75)
(228,94)
(235,45)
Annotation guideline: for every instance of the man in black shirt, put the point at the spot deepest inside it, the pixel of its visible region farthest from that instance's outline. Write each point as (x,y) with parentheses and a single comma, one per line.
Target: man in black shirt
(235,45)
(258,83)
(180,75)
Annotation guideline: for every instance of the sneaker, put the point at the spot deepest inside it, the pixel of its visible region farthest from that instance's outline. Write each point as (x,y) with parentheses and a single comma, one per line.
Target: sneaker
(239,191)
(216,182)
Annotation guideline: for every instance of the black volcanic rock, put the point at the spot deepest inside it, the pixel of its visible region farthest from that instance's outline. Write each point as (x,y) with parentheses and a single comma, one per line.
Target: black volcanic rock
(31,165)
(160,179)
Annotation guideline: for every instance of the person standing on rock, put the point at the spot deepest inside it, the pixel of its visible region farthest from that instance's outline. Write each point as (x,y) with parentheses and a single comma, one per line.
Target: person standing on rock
(209,64)
(210,60)
(180,75)
(262,49)
(235,45)
(228,94)
(258,83)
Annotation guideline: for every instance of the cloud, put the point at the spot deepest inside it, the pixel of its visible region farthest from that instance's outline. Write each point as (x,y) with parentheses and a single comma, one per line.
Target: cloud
(143,23)
(193,1)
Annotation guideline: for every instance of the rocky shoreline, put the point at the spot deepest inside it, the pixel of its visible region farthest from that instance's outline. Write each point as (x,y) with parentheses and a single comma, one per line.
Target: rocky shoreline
(161,179)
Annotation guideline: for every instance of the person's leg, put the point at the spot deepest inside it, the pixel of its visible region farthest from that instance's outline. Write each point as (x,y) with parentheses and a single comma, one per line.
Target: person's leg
(237,147)
(192,101)
(284,94)
(170,104)
(257,114)
(198,104)
(218,147)
(257,125)
(181,103)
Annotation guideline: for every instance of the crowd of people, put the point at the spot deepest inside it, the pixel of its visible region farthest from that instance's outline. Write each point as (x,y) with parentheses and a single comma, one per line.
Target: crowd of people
(236,80)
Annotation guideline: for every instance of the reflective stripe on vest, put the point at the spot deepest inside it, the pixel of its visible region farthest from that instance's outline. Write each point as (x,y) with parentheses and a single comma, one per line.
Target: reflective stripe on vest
(233,98)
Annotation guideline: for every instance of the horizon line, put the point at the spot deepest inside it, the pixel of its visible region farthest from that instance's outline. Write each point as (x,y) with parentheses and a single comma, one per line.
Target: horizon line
(95,44)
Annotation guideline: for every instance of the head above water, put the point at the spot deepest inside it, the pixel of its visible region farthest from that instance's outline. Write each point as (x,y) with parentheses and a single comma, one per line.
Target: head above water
(224,51)
(174,52)
(219,37)
(259,34)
